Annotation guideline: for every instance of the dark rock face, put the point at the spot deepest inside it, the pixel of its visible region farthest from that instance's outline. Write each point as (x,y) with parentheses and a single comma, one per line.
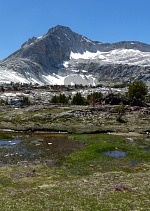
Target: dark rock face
(54,48)
(129,45)
(45,55)
(30,40)
(114,72)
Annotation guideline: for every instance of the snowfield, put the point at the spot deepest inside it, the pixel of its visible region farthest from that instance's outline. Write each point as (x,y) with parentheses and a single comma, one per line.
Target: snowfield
(71,75)
(119,56)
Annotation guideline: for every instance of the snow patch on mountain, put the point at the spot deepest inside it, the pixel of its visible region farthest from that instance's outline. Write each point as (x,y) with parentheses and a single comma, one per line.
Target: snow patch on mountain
(79,79)
(118,56)
(71,79)
(54,79)
(8,75)
(62,56)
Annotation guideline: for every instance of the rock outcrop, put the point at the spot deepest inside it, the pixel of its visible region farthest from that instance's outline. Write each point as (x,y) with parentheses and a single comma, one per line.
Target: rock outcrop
(41,60)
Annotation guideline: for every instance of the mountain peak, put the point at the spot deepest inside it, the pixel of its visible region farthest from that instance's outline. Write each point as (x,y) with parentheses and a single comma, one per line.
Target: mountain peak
(59,28)
(63,51)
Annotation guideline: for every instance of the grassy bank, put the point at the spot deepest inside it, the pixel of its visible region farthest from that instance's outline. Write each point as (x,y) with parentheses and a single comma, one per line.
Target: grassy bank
(85,180)
(75,119)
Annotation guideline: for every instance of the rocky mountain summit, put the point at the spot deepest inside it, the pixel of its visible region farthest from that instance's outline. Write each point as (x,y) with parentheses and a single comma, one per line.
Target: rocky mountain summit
(62,56)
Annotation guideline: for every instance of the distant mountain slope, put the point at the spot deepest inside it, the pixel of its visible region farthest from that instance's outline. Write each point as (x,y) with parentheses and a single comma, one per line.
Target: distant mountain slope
(62,56)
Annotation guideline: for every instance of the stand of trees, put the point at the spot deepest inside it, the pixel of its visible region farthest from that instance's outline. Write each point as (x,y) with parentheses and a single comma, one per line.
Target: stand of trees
(78,99)
(137,95)
(61,99)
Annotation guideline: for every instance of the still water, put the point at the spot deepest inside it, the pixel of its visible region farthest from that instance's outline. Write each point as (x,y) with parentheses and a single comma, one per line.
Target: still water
(115,154)
(37,148)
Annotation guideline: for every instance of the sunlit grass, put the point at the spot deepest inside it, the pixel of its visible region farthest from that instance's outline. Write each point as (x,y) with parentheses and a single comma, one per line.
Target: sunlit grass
(86,180)
(47,189)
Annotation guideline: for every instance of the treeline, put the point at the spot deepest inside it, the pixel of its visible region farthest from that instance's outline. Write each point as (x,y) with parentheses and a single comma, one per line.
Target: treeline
(137,95)
(77,99)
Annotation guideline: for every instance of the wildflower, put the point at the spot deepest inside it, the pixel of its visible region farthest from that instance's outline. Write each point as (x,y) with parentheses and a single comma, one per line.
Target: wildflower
(118,188)
(121,187)
(125,187)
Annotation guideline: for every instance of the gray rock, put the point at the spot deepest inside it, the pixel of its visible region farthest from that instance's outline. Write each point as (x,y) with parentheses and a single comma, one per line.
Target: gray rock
(45,56)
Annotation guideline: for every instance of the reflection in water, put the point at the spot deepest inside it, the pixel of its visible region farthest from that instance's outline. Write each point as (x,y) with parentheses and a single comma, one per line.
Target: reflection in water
(134,162)
(147,149)
(5,143)
(115,154)
(37,147)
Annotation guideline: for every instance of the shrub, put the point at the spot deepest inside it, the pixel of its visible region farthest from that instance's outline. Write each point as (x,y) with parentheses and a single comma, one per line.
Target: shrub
(148,98)
(121,111)
(54,99)
(137,91)
(94,97)
(60,99)
(78,99)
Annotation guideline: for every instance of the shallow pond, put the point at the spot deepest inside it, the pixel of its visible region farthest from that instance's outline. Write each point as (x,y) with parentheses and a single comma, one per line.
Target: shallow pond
(147,149)
(5,143)
(115,154)
(37,148)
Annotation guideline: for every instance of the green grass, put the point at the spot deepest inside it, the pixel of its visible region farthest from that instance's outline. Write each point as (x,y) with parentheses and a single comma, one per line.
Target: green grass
(5,136)
(92,158)
(105,120)
(47,189)
(85,180)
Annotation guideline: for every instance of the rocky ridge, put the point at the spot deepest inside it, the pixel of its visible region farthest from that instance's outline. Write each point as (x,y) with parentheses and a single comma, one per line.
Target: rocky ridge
(48,60)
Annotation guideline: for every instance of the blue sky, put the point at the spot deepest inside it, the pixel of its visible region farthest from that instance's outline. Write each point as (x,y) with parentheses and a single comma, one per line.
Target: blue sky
(101,20)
